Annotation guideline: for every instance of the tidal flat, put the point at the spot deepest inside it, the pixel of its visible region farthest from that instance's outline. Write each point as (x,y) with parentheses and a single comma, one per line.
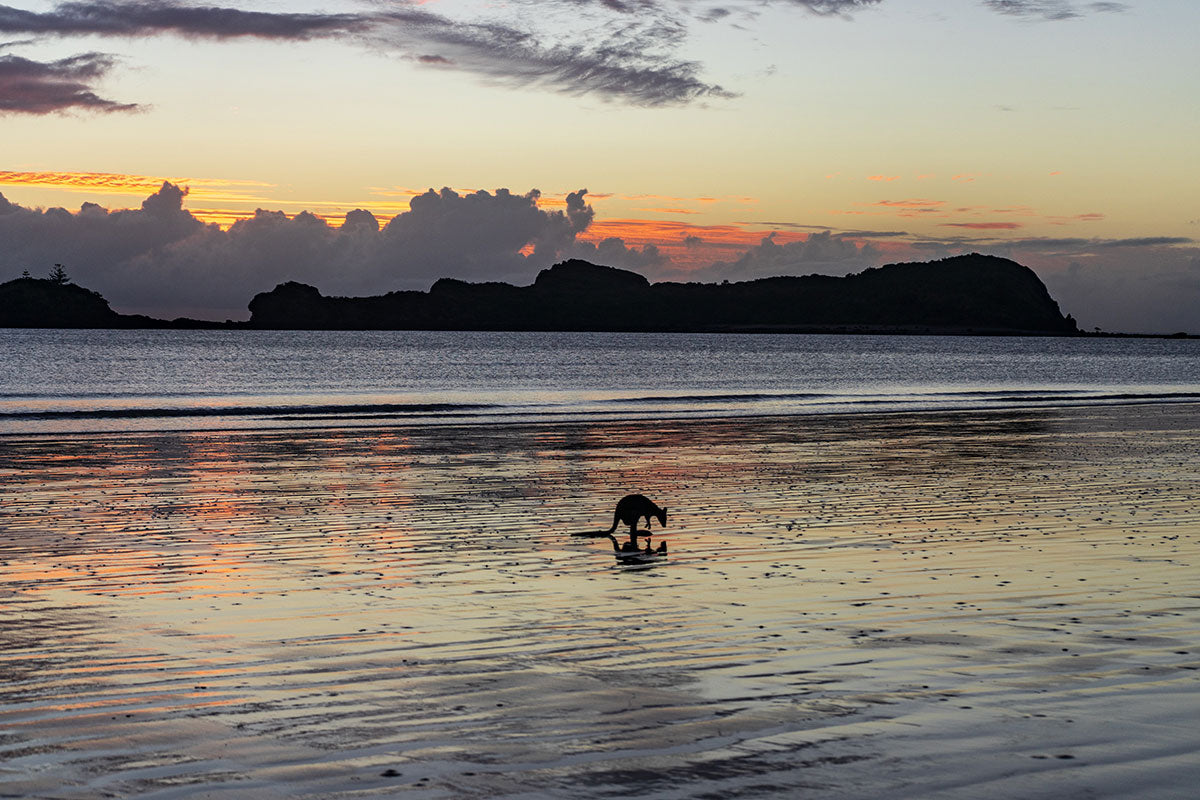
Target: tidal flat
(926,605)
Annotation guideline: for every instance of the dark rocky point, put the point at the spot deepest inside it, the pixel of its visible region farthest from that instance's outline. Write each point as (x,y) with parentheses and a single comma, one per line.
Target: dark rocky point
(972,293)
(964,294)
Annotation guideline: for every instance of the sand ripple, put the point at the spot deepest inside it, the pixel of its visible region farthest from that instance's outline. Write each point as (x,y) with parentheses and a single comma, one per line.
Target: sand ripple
(983,605)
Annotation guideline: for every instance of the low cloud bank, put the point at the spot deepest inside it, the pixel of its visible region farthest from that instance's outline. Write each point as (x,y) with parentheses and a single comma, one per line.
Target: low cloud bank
(1157,291)
(822,253)
(160,260)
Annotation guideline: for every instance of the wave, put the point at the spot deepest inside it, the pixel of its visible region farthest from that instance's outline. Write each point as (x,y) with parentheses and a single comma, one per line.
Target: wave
(694,403)
(1031,396)
(311,411)
(667,399)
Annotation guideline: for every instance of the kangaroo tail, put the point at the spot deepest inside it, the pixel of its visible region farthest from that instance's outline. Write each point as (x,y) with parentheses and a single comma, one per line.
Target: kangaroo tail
(598,534)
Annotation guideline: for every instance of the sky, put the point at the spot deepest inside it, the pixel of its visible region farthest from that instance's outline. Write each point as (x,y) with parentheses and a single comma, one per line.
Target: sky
(181,157)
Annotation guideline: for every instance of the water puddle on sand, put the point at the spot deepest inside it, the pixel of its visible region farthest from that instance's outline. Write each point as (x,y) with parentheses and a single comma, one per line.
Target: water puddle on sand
(883,606)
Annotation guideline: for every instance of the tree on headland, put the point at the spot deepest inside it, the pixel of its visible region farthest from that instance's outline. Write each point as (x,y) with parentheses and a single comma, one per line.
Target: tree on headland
(25,274)
(59,275)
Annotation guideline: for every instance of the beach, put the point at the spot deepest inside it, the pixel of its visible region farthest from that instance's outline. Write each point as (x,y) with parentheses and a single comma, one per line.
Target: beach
(979,604)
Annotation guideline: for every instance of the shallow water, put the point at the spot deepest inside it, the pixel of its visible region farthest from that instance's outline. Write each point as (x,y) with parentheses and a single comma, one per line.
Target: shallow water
(938,605)
(69,381)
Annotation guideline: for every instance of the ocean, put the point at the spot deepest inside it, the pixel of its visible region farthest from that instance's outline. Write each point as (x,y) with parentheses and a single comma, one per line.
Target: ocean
(64,381)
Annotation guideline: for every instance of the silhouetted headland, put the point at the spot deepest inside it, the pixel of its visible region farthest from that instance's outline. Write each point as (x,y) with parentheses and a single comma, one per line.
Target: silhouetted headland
(972,293)
(48,303)
(964,294)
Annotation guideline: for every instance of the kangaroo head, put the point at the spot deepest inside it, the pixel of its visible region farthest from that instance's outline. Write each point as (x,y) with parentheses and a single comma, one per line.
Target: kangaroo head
(662,517)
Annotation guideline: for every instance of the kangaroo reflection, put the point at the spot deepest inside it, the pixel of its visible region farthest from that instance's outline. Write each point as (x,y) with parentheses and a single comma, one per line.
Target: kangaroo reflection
(631,547)
(628,553)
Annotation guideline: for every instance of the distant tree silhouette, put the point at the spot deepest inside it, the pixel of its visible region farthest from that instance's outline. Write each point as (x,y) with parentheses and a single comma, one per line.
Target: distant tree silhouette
(25,274)
(59,275)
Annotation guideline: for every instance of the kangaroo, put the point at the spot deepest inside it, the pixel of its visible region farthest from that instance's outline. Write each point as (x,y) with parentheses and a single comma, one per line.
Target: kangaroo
(633,507)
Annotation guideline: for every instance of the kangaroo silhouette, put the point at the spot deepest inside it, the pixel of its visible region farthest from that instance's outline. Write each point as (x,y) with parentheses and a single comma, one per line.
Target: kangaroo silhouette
(633,507)
(630,551)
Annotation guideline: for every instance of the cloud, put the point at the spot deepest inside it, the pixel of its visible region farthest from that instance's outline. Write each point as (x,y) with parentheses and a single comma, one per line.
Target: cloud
(161,260)
(871,234)
(36,87)
(1145,241)
(1050,9)
(614,252)
(152,17)
(1076,246)
(481,235)
(822,253)
(110,182)
(820,7)
(634,61)
(984,226)
(912,202)
(623,50)
(1154,289)
(833,7)
(93,235)
(32,87)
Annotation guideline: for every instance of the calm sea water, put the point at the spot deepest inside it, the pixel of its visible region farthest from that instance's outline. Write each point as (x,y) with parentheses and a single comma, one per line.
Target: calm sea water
(94,380)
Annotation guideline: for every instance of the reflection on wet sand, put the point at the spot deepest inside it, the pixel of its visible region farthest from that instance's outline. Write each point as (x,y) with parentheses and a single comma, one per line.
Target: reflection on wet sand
(931,605)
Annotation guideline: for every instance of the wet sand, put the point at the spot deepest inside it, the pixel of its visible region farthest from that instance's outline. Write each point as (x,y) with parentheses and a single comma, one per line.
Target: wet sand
(976,605)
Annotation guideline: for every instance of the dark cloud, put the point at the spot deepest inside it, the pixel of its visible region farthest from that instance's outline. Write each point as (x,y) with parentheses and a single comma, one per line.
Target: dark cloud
(852,234)
(632,61)
(1145,241)
(630,54)
(713,14)
(31,87)
(619,6)
(1157,290)
(832,7)
(777,224)
(613,252)
(1070,245)
(151,17)
(822,253)
(480,235)
(872,234)
(34,238)
(1050,9)
(35,87)
(160,260)
(360,220)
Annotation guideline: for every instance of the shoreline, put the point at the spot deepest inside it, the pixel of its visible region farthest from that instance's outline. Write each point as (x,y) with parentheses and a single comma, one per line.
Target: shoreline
(381,421)
(832,330)
(867,605)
